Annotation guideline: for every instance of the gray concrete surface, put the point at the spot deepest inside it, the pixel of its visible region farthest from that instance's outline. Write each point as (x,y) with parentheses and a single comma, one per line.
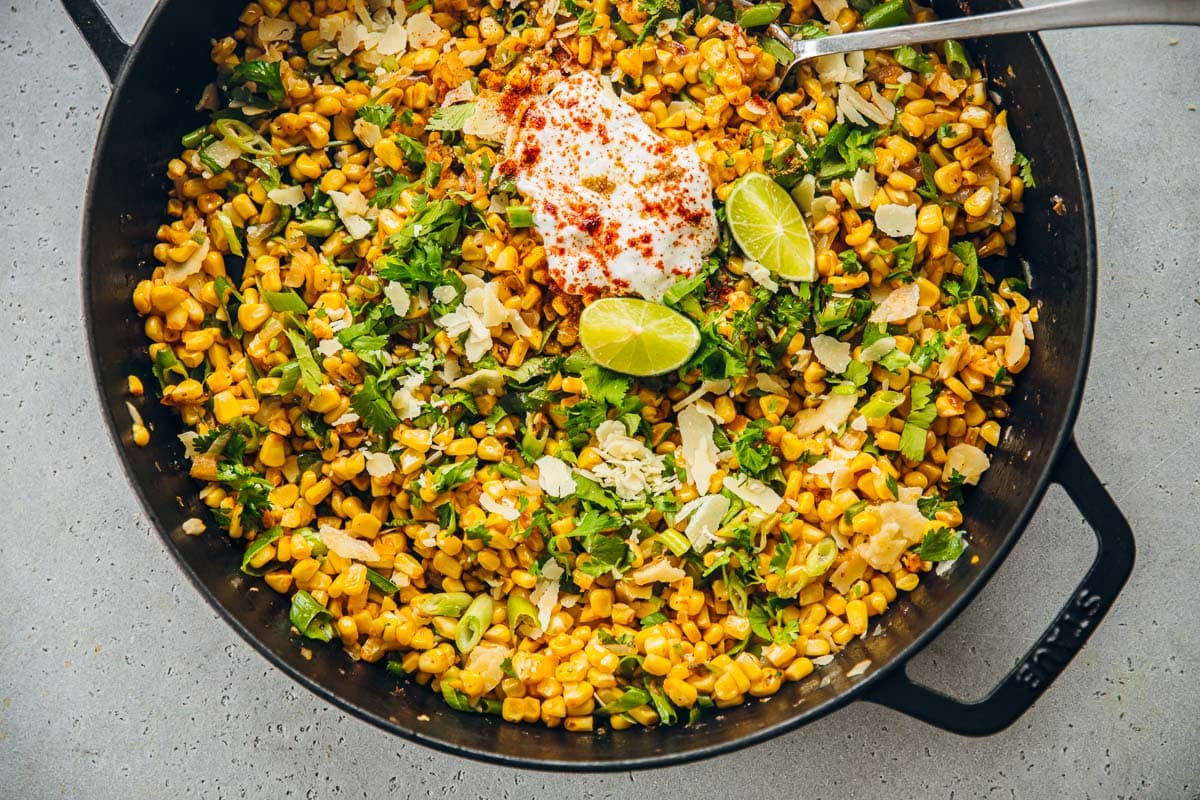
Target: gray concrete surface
(117,680)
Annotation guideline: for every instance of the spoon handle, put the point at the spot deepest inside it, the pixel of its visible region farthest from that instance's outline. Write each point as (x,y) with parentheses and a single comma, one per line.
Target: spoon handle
(1063,14)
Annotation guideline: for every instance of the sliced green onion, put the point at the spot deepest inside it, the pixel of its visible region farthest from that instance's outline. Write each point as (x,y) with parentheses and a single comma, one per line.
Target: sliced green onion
(244,138)
(447,604)
(887,15)
(519,610)
(633,698)
(310,617)
(192,139)
(761,14)
(285,301)
(319,227)
(474,621)
(820,558)
(882,403)
(624,32)
(231,237)
(323,55)
(265,538)
(675,541)
(454,698)
(956,59)
(519,217)
(381,583)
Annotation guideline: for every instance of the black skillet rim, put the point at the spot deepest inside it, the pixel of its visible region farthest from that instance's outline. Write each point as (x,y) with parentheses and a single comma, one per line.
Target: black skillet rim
(858,691)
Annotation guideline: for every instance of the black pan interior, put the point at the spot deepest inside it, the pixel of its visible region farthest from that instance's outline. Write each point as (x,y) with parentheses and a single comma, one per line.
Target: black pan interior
(154,105)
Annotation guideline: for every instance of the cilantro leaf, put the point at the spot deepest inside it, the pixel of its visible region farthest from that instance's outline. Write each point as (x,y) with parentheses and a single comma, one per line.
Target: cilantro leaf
(374,409)
(911,58)
(380,115)
(970,257)
(942,544)
(451,118)
(268,91)
(1026,166)
(451,476)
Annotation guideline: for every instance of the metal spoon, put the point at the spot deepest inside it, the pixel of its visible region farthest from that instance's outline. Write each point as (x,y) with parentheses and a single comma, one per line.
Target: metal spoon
(1051,16)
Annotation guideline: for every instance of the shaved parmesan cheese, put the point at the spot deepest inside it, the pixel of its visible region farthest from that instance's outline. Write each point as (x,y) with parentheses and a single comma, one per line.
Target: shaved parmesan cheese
(397,295)
(462,93)
(902,525)
(480,311)
(829,415)
(188,438)
(628,466)
(858,669)
(345,419)
(885,106)
(899,306)
(329,347)
(554,476)
(1004,149)
(287,196)
(1014,348)
(394,40)
(347,546)
(863,187)
(660,571)
(487,659)
(405,403)
(877,349)
(177,273)
(445,294)
(271,29)
(423,31)
(352,209)
(754,492)
(896,220)
(545,592)
(706,514)
(849,572)
(858,109)
(699,451)
(193,526)
(833,354)
(501,507)
(716,387)
(767,382)
(223,152)
(367,132)
(380,465)
(487,121)
(761,275)
(967,460)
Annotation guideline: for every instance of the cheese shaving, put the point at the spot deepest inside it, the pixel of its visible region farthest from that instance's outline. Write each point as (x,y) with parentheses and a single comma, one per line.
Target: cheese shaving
(287,196)
(347,546)
(380,465)
(398,296)
(698,449)
(555,477)
(899,306)
(833,354)
(896,220)
(968,461)
(829,415)
(754,492)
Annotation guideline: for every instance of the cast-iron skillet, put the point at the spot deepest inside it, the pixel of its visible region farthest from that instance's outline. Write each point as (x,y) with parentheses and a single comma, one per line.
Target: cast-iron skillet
(157,82)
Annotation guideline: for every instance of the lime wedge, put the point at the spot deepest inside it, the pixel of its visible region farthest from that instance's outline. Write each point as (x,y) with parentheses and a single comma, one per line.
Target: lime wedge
(636,337)
(769,228)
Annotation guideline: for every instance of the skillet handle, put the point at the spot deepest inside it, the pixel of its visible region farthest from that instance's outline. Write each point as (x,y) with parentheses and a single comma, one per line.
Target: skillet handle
(1047,659)
(101,36)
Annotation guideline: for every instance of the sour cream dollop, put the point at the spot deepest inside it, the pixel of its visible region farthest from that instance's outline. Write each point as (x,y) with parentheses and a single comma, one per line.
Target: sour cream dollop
(621,209)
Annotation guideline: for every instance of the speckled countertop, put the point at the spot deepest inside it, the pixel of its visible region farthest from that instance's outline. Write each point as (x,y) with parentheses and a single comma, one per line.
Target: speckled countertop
(118,681)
